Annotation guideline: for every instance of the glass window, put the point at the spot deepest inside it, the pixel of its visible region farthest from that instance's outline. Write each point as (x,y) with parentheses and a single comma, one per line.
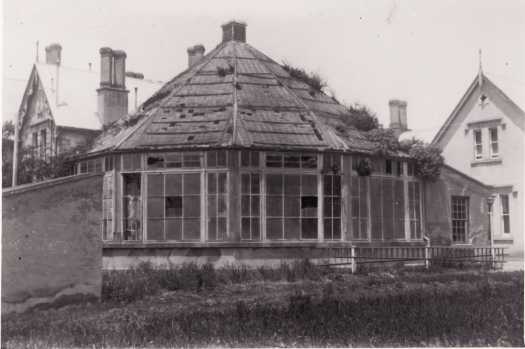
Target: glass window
(107,207)
(399,209)
(494,147)
(250,206)
(332,207)
(414,210)
(250,158)
(478,145)
(217,206)
(173,206)
(359,205)
(291,206)
(332,162)
(291,160)
(505,213)
(216,158)
(131,161)
(131,207)
(460,218)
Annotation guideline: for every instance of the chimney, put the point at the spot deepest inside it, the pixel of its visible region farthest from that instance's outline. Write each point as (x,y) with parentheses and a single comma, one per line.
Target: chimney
(398,116)
(234,31)
(195,54)
(54,54)
(112,93)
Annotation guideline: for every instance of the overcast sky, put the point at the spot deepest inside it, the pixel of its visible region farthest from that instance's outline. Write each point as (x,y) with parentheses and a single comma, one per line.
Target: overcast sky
(368,51)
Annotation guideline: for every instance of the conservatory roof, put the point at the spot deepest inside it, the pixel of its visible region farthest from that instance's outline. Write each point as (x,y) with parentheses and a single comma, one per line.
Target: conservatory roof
(235,96)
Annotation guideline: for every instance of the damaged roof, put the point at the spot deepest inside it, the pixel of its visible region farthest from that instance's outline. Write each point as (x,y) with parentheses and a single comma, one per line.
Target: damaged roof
(235,96)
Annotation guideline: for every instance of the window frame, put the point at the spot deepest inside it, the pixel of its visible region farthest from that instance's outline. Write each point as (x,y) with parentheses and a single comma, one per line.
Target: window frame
(460,200)
(493,142)
(478,155)
(504,214)
(251,194)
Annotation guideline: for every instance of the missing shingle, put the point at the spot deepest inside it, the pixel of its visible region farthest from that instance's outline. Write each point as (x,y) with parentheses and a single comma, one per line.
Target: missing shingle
(216,122)
(182,116)
(190,138)
(172,124)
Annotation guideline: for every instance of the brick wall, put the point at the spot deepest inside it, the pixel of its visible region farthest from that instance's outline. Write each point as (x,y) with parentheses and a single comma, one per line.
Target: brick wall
(51,245)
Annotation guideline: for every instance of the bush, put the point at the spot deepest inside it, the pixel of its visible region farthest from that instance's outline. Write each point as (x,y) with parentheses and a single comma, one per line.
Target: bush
(314,80)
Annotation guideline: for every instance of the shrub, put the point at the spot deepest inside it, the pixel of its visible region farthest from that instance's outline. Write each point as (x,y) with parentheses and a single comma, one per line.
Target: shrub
(427,158)
(314,80)
(361,117)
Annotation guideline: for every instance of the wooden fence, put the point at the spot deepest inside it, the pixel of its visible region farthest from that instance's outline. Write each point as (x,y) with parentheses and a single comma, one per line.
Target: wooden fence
(423,255)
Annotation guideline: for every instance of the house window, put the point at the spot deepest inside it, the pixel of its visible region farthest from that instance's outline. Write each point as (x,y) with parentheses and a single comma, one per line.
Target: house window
(388,167)
(216,158)
(291,207)
(250,206)
(399,209)
(34,140)
(359,194)
(131,162)
(131,207)
(109,163)
(414,210)
(460,218)
(505,215)
(174,206)
(43,142)
(291,160)
(249,158)
(332,207)
(217,205)
(107,207)
(176,160)
(478,145)
(494,147)
(332,162)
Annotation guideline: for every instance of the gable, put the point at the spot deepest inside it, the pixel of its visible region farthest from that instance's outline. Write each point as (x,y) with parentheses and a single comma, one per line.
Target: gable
(470,109)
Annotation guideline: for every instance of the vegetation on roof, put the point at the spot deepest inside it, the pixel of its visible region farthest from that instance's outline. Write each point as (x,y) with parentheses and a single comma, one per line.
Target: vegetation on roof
(314,80)
(361,117)
(427,158)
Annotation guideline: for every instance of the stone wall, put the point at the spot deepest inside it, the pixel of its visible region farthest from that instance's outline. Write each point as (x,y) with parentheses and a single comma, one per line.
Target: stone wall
(437,207)
(51,245)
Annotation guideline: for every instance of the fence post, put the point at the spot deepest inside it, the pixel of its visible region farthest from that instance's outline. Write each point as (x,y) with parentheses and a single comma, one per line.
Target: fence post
(354,260)
(427,252)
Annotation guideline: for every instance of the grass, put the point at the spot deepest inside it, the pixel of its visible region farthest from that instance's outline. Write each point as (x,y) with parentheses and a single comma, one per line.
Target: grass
(294,305)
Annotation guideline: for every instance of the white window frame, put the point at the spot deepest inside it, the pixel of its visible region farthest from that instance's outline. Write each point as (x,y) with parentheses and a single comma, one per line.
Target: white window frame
(478,155)
(493,142)
(503,214)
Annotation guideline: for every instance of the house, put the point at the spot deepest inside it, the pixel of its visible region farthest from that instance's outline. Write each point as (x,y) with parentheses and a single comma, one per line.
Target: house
(64,108)
(237,160)
(484,138)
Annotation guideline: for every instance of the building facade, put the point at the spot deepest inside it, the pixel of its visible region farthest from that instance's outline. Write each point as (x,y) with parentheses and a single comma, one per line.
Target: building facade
(484,138)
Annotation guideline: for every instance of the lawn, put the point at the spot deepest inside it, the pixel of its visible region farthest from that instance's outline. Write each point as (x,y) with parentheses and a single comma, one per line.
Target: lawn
(295,306)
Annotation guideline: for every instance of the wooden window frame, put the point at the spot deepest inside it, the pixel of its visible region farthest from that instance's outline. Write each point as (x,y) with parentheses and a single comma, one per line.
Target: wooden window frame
(250,195)
(478,155)
(504,214)
(493,142)
(465,221)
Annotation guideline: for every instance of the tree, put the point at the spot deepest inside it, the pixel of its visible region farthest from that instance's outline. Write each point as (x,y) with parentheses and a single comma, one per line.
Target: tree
(361,117)
(8,129)
(427,158)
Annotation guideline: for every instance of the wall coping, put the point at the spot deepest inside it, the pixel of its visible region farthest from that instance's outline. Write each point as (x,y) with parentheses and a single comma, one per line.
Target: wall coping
(19,189)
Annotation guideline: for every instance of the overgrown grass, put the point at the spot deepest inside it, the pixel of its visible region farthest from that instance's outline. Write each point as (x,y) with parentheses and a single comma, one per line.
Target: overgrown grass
(145,280)
(296,305)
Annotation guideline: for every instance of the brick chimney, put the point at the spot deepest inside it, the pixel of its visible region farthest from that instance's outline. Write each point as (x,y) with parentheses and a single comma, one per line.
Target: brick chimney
(234,31)
(112,93)
(398,116)
(54,54)
(195,54)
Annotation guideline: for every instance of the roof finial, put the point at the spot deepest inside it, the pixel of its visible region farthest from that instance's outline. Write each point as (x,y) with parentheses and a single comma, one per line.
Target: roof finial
(480,70)
(37,52)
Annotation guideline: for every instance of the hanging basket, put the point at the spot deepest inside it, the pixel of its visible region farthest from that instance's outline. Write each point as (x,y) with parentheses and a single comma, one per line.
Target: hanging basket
(364,167)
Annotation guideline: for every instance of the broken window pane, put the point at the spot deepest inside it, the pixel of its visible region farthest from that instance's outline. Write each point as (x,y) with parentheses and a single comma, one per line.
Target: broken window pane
(309,206)
(155,161)
(309,161)
(173,206)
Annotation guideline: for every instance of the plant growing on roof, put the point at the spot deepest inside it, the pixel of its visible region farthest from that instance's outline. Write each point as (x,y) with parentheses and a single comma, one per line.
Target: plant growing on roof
(386,143)
(427,158)
(361,117)
(314,80)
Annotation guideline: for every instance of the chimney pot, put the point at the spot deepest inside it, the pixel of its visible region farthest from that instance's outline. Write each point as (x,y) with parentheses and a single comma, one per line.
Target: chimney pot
(54,54)
(234,31)
(195,54)
(398,116)
(119,61)
(106,66)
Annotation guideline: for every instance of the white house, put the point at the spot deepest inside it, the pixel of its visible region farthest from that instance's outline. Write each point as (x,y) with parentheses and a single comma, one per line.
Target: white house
(483,138)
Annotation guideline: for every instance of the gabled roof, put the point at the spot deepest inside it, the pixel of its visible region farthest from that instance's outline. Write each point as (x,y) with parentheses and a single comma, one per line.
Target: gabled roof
(235,97)
(77,94)
(516,114)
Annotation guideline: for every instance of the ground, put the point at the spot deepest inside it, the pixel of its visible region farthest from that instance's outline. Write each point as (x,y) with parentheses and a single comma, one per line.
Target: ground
(237,307)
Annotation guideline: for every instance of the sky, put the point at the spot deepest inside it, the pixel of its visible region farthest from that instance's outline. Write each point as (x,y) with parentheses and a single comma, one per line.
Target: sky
(424,52)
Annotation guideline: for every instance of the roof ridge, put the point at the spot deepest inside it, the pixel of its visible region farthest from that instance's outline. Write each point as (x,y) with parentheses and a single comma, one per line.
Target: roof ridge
(208,58)
(318,123)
